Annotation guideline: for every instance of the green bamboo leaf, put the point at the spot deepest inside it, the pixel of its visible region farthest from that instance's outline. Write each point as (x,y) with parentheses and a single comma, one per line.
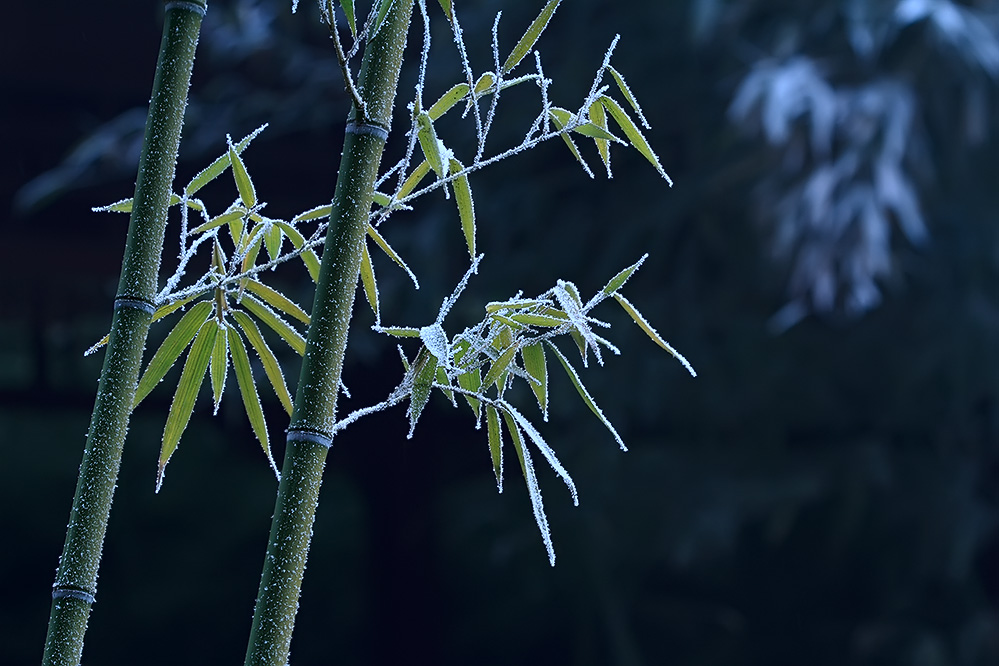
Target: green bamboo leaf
(381,199)
(448,10)
(598,117)
(251,401)
(634,135)
(219,365)
(585,395)
(518,304)
(495,434)
(531,319)
(383,11)
(512,324)
(618,280)
(236,227)
(271,366)
(368,280)
(560,122)
(534,363)
(247,193)
(191,378)
(277,300)
(472,381)
(466,208)
(313,214)
(626,91)
(651,332)
(348,10)
(530,37)
(235,212)
(485,82)
(213,170)
(393,255)
(531,479)
(447,101)
(272,241)
(419,173)
(423,372)
(429,142)
(442,380)
(398,331)
(596,132)
(171,349)
(123,206)
(275,323)
(309,257)
(499,366)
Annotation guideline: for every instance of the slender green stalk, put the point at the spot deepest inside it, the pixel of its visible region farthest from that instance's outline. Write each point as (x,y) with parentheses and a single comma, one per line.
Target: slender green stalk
(76,579)
(310,433)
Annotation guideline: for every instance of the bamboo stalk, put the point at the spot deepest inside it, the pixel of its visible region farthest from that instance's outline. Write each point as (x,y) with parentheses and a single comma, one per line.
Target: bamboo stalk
(311,429)
(76,578)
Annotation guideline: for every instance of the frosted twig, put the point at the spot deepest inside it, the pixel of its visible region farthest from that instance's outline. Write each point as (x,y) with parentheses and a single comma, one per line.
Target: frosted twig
(342,58)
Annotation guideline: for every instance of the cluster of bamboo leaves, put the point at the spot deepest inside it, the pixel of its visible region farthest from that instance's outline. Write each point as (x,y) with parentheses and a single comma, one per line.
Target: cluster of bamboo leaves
(229,303)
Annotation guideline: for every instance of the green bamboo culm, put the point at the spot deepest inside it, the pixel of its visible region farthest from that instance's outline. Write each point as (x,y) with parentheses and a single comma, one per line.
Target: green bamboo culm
(311,430)
(76,578)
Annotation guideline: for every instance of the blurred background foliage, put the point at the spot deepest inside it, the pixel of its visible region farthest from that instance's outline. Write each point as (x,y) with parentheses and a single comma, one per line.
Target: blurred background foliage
(825,492)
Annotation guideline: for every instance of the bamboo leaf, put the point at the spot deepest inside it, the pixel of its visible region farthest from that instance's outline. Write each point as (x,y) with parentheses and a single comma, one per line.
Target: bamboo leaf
(423,372)
(235,212)
(651,332)
(618,280)
(447,101)
(309,257)
(419,173)
(429,142)
(393,255)
(219,366)
(398,331)
(383,10)
(213,170)
(596,132)
(545,449)
(534,363)
(368,280)
(530,37)
(633,133)
(251,401)
(560,122)
(626,91)
(247,193)
(585,395)
(499,366)
(495,434)
(275,323)
(486,81)
(271,366)
(532,319)
(173,346)
(277,300)
(272,241)
(527,467)
(448,10)
(313,214)
(466,207)
(348,10)
(472,381)
(442,380)
(191,378)
(123,206)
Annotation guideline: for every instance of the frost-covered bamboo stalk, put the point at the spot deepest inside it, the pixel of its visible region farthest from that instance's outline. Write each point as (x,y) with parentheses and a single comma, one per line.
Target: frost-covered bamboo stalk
(312,423)
(76,579)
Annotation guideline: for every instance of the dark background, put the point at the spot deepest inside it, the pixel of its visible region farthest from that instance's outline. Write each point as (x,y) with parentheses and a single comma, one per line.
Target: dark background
(826,491)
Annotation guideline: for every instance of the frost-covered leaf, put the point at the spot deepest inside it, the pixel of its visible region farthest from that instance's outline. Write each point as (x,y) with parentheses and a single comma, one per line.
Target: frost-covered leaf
(213,170)
(532,319)
(251,401)
(471,380)
(423,373)
(219,366)
(560,122)
(393,255)
(499,367)
(585,395)
(618,280)
(173,346)
(430,144)
(527,467)
(313,214)
(123,206)
(398,331)
(235,212)
(368,280)
(348,10)
(651,332)
(634,135)
(247,193)
(442,381)
(272,241)
(419,173)
(495,435)
(447,101)
(626,91)
(383,10)
(485,82)
(191,378)
(466,207)
(526,43)
(309,257)
(534,363)
(448,10)
(275,323)
(277,300)
(271,366)
(546,450)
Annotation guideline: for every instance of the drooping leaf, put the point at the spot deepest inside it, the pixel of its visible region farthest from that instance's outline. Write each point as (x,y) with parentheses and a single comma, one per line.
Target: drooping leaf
(275,323)
(424,371)
(393,255)
(626,91)
(634,135)
(534,363)
(651,332)
(368,280)
(499,367)
(471,380)
(348,10)
(191,378)
(495,435)
(527,467)
(585,395)
(546,450)
(598,117)
(219,365)
(277,300)
(526,43)
(251,401)
(447,101)
(213,170)
(309,257)
(383,10)
(466,207)
(173,346)
(271,366)
(272,241)
(430,144)
(247,193)
(560,123)
(448,10)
